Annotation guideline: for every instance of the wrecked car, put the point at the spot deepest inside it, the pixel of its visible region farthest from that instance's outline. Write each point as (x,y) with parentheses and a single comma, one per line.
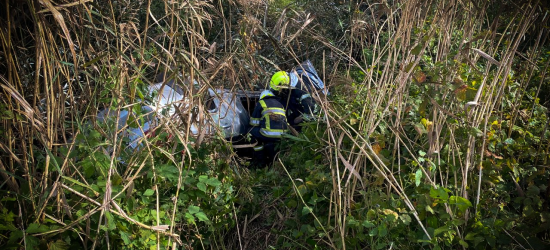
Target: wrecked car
(228,110)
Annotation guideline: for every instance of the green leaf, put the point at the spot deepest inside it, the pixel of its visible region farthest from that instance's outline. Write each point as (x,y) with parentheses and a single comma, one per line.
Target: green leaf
(96,59)
(382,230)
(110,220)
(190,218)
(194,209)
(7,114)
(201,216)
(421,153)
(416,50)
(58,245)
(352,222)
(32,242)
(463,243)
(509,141)
(54,160)
(373,232)
(36,228)
(429,209)
(169,171)
(306,210)
(66,63)
(381,245)
(460,202)
(458,222)
(203,178)
(470,236)
(425,38)
(294,138)
(148,192)
(418,177)
(201,186)
(302,189)
(368,224)
(409,66)
(439,193)
(80,183)
(291,203)
(213,182)
(441,230)
(9,227)
(477,132)
(371,214)
(125,237)
(89,169)
(140,94)
(406,219)
(533,190)
(15,236)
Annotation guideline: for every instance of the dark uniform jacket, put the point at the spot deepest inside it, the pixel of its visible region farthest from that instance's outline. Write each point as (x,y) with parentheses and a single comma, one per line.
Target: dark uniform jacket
(270,116)
(298,100)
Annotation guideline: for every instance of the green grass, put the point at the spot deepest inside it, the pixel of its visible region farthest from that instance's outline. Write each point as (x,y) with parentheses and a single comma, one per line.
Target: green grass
(435,135)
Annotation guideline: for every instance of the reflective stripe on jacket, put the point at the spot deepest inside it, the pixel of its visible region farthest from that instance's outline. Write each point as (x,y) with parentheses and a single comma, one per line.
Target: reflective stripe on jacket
(270,115)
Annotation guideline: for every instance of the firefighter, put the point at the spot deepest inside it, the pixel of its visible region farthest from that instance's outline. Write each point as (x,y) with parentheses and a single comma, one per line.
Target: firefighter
(268,123)
(295,92)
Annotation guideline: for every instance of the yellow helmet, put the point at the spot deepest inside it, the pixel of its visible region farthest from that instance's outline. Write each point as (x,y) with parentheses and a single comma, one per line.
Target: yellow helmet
(279,79)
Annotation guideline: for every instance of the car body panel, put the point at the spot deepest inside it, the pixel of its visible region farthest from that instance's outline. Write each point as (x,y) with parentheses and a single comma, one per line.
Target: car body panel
(225,107)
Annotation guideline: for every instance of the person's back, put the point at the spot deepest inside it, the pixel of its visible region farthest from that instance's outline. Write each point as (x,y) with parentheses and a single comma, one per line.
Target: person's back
(268,121)
(270,116)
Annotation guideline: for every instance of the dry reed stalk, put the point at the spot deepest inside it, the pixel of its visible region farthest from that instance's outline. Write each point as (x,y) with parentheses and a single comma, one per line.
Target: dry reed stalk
(102,44)
(391,89)
(101,49)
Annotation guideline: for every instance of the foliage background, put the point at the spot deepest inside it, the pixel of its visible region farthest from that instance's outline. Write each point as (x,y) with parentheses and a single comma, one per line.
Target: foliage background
(435,134)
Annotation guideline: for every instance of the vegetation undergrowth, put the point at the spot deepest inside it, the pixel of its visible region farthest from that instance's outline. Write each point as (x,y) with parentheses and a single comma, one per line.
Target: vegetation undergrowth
(435,134)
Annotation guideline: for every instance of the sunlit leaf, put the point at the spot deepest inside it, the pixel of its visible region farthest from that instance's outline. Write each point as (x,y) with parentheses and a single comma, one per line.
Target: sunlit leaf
(509,141)
(149,192)
(441,230)
(429,209)
(213,182)
(460,202)
(405,218)
(201,216)
(418,177)
(193,209)
(125,238)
